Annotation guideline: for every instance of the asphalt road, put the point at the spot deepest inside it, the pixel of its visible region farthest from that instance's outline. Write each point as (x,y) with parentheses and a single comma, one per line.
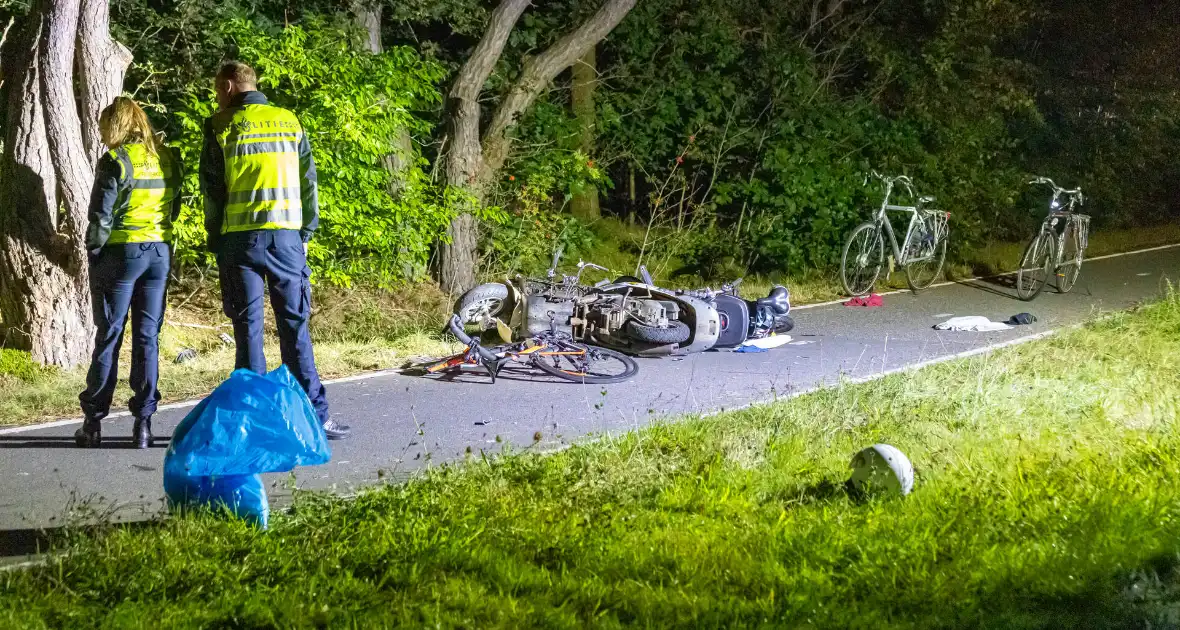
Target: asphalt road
(402,423)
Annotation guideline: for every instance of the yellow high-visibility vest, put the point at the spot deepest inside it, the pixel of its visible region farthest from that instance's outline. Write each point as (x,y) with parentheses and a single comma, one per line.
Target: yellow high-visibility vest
(143,209)
(260,144)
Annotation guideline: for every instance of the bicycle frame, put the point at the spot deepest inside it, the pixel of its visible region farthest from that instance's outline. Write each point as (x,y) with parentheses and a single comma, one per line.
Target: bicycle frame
(1068,215)
(901,255)
(493,359)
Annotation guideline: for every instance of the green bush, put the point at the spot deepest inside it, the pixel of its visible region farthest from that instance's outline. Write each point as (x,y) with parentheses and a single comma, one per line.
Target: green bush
(353,106)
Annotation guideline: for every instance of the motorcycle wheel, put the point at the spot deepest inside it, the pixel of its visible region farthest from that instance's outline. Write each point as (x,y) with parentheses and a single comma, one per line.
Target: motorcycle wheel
(486,299)
(676,332)
(783,324)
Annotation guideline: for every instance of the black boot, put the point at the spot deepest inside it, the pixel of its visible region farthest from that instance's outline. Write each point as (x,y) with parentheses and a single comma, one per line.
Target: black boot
(335,431)
(90,435)
(141,435)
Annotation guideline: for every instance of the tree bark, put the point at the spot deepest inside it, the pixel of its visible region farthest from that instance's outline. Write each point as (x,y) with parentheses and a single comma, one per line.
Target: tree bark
(585,71)
(464,159)
(540,71)
(473,161)
(62,123)
(44,288)
(102,64)
(368,16)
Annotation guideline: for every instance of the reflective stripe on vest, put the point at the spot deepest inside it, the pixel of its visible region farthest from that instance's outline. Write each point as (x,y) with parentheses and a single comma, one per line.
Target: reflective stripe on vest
(142,212)
(260,144)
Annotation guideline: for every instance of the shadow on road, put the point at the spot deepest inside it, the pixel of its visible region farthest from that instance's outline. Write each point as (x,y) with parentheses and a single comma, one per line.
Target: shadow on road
(1003,286)
(53,441)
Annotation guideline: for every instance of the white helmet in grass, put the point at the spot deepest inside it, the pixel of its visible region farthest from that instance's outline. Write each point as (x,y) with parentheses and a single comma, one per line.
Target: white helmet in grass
(882,467)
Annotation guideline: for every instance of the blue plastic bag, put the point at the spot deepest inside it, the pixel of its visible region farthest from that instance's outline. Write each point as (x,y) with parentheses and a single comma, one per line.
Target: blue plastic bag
(250,424)
(243,495)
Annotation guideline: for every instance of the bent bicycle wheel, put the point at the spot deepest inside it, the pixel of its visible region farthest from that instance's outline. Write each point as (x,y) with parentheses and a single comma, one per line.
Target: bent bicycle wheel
(1036,266)
(864,254)
(596,365)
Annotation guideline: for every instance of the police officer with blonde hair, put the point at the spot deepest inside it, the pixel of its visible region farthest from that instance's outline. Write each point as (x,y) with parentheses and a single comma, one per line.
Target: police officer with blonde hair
(136,198)
(261,209)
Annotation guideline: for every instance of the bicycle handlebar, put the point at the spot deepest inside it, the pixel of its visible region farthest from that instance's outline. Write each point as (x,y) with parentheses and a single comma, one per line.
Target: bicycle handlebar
(1058,190)
(456,327)
(904,180)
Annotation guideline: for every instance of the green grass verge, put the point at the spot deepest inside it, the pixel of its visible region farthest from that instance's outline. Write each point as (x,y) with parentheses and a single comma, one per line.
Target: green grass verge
(1048,495)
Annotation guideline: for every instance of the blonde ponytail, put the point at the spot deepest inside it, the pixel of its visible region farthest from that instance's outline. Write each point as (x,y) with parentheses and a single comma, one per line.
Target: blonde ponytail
(123,122)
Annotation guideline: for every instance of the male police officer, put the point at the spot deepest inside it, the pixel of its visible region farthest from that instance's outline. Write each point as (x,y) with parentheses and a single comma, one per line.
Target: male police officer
(261,208)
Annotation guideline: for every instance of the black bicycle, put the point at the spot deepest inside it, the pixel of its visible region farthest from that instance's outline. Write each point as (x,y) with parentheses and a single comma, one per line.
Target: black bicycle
(1052,252)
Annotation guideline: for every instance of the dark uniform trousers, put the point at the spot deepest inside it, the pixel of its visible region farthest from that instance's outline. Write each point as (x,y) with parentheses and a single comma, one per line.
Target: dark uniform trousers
(250,263)
(130,277)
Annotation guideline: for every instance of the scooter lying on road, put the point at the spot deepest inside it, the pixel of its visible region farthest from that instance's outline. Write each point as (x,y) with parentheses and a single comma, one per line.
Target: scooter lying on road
(746,320)
(631,315)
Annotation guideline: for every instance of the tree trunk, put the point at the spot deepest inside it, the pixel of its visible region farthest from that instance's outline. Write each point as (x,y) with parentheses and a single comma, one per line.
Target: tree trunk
(472,161)
(368,16)
(464,157)
(47,171)
(631,193)
(101,64)
(585,201)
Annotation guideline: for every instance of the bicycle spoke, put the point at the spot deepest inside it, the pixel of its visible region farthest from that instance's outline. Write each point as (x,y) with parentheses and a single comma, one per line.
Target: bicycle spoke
(586,364)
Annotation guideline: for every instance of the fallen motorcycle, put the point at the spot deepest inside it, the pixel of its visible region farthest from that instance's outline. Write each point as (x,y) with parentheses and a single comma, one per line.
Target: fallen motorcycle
(632,315)
(745,320)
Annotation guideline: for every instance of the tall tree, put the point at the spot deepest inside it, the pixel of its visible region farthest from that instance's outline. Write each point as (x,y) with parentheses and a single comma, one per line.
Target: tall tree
(475,155)
(585,72)
(367,14)
(63,68)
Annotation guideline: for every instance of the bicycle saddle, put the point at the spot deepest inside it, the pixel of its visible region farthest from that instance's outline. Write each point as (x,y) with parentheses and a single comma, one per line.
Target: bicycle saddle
(926,200)
(779,300)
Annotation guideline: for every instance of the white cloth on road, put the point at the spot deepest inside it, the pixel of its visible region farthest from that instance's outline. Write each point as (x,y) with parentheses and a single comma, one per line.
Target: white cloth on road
(971,323)
(772,341)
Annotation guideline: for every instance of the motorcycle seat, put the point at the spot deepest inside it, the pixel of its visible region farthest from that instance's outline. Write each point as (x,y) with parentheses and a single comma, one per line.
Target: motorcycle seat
(779,300)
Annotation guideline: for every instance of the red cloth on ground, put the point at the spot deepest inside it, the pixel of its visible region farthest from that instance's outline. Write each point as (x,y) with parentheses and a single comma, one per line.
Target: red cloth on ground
(872,301)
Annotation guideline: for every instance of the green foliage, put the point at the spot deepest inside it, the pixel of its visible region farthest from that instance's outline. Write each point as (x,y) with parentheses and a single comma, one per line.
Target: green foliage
(353,107)
(750,125)
(1110,94)
(535,190)
(788,113)
(18,364)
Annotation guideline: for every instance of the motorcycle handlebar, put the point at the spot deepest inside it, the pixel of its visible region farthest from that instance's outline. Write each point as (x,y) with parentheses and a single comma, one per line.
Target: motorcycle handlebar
(556,259)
